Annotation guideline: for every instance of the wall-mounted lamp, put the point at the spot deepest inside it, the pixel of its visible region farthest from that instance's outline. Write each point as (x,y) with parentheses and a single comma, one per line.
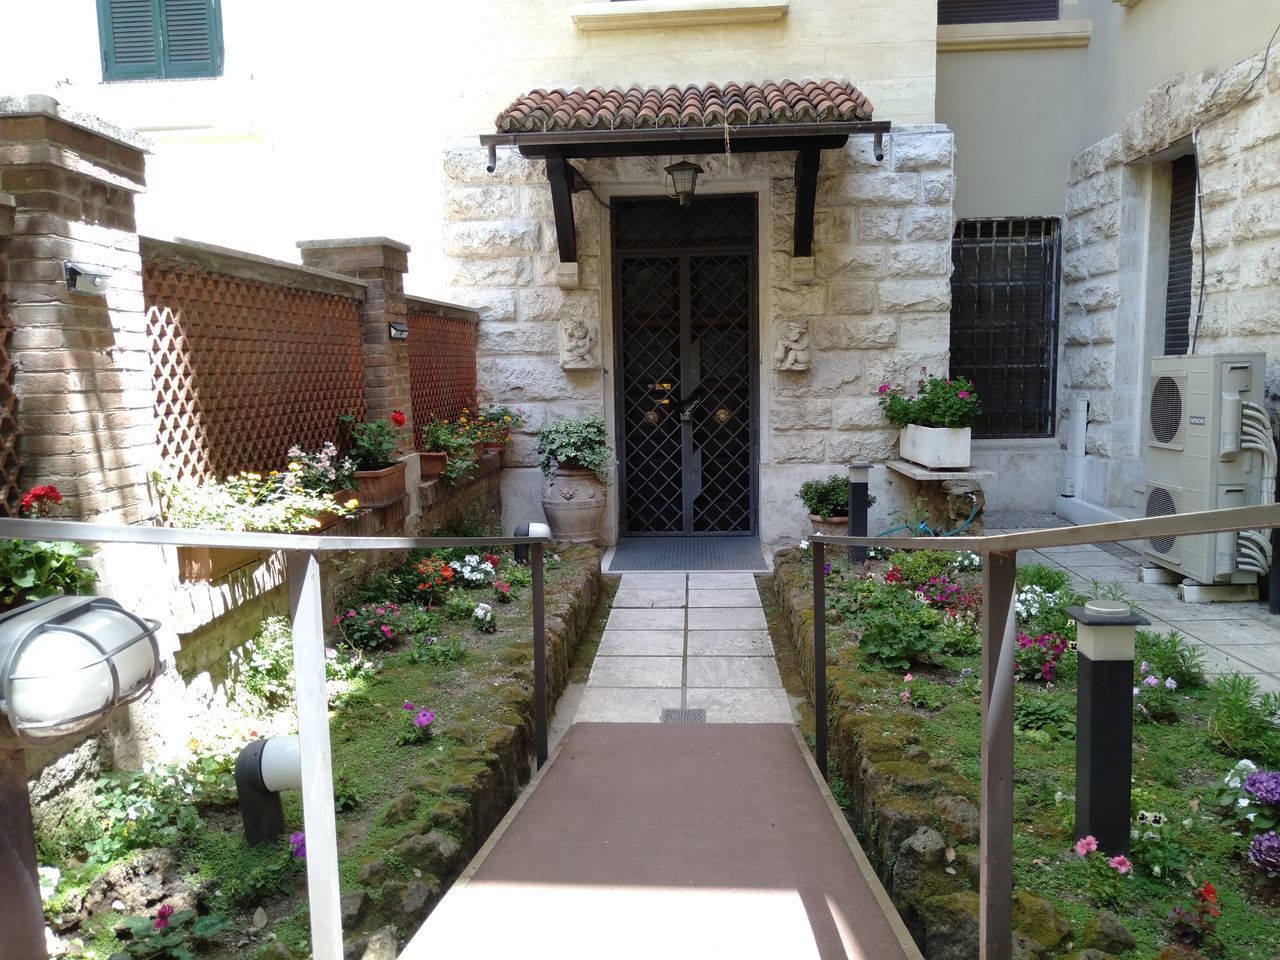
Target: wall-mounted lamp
(86,281)
(684,178)
(68,661)
(263,769)
(398,331)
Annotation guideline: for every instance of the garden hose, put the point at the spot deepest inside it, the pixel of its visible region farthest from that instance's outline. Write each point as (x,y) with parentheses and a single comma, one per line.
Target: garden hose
(924,530)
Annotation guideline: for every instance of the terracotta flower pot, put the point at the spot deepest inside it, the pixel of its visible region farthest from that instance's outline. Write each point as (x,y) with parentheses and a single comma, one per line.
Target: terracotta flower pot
(832,526)
(493,446)
(432,465)
(200,564)
(381,487)
(478,446)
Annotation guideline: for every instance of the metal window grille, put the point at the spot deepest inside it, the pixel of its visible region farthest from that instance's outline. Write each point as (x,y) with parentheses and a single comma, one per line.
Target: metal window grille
(9,464)
(1004,321)
(1182,225)
(996,11)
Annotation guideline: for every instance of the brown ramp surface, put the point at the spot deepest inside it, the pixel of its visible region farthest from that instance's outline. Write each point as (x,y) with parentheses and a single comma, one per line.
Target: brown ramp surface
(655,841)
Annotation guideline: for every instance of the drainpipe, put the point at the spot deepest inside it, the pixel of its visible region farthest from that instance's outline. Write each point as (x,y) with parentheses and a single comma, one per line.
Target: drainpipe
(1072,482)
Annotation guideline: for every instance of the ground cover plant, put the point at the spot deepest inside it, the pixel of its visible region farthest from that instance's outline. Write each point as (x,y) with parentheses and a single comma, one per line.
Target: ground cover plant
(429,730)
(1202,876)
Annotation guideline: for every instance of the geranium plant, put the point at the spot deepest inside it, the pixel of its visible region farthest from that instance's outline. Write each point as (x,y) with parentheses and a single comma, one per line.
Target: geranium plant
(372,444)
(937,402)
(40,502)
(33,570)
(452,439)
(252,502)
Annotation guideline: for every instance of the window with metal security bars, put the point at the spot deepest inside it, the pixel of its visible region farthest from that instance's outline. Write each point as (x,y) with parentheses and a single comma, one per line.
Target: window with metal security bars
(159,39)
(1004,321)
(996,11)
(1182,225)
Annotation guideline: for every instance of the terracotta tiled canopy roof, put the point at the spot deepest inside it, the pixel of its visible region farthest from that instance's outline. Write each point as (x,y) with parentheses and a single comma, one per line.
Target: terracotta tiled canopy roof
(806,101)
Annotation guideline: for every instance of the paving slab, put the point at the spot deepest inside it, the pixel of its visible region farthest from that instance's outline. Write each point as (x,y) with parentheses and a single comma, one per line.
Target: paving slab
(738,705)
(724,598)
(732,672)
(1226,633)
(730,643)
(641,643)
(649,598)
(727,618)
(625,704)
(633,619)
(637,672)
(652,581)
(721,581)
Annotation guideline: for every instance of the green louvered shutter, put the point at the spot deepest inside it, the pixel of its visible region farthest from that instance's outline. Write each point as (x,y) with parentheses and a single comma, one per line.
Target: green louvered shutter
(130,32)
(192,32)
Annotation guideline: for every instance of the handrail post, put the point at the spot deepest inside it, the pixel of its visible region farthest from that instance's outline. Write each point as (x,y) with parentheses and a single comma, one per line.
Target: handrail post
(820,656)
(539,657)
(995,879)
(307,614)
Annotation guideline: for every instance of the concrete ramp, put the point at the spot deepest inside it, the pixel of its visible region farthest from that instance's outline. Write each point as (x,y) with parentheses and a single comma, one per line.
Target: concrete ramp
(670,841)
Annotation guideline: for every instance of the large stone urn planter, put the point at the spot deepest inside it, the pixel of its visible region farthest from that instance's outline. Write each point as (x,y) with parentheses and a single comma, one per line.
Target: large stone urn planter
(831,526)
(380,487)
(574,503)
(938,448)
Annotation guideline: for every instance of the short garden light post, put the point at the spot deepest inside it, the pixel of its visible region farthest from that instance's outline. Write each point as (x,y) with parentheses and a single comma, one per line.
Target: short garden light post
(65,663)
(859,501)
(1105,637)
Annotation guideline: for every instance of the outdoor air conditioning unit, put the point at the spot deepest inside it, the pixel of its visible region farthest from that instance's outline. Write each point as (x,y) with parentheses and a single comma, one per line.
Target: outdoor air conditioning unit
(1209,446)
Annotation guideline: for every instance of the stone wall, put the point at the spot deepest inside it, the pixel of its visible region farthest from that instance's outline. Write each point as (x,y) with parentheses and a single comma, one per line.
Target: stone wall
(1114,263)
(875,296)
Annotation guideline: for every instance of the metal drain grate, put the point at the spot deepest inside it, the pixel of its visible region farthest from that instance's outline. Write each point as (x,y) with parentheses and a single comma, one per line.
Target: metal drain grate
(681,715)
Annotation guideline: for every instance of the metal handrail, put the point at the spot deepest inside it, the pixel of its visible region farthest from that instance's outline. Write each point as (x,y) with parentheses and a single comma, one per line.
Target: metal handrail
(302,572)
(999,562)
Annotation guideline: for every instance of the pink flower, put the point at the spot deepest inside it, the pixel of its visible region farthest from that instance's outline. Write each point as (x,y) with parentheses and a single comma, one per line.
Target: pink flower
(908,678)
(424,718)
(962,394)
(163,914)
(1120,864)
(1086,845)
(883,388)
(408,705)
(386,631)
(904,696)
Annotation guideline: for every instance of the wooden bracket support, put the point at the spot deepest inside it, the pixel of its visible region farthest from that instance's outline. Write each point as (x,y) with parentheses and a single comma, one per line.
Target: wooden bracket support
(807,162)
(561,176)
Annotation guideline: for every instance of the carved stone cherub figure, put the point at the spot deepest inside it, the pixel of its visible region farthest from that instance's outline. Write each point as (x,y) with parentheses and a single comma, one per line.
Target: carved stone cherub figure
(792,350)
(577,341)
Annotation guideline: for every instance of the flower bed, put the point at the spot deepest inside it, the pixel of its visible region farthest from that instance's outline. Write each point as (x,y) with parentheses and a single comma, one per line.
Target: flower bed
(905,744)
(432,737)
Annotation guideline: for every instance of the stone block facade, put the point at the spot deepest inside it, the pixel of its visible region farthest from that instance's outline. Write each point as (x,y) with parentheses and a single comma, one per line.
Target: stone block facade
(875,296)
(1113,262)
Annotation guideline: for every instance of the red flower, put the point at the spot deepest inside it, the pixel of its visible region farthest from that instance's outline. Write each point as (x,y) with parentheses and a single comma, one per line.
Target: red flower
(1207,893)
(397,418)
(163,914)
(39,501)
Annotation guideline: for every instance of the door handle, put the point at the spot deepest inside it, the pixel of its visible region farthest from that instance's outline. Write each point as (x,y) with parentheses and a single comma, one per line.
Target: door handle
(690,405)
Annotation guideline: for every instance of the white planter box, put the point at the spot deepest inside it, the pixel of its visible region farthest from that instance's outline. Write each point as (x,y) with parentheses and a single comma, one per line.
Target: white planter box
(935,447)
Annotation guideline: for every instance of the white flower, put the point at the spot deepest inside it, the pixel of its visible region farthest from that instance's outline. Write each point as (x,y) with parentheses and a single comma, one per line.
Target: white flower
(1156,869)
(1239,772)
(804,544)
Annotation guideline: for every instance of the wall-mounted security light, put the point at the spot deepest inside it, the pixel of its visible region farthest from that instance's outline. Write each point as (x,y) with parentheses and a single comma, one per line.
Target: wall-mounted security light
(684,179)
(67,662)
(86,281)
(398,331)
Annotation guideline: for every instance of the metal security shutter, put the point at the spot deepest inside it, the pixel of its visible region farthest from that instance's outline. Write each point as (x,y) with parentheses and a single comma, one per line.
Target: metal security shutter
(1004,321)
(1182,224)
(996,11)
(154,39)
(130,35)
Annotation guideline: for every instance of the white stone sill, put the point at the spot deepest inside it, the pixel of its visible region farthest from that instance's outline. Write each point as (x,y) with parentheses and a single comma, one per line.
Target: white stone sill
(639,14)
(1028,35)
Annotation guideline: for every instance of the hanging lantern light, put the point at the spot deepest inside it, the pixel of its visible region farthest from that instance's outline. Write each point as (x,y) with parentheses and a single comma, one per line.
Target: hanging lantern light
(68,661)
(684,178)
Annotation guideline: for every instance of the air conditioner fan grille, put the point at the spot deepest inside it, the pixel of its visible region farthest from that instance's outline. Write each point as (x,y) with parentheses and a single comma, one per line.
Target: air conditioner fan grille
(1166,409)
(1160,503)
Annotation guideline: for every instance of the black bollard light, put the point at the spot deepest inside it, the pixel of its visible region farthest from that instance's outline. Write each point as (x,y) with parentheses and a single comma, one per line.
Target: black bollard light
(1105,637)
(521,551)
(859,501)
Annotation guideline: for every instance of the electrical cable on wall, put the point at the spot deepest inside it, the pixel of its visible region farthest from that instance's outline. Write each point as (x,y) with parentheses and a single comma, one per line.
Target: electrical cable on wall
(1253,547)
(1195,141)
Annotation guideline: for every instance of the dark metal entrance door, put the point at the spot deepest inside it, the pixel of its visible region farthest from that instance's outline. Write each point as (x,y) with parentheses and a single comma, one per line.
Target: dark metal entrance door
(684,312)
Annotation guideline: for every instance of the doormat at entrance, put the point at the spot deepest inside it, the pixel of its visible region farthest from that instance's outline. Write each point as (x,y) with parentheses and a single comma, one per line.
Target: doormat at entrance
(656,554)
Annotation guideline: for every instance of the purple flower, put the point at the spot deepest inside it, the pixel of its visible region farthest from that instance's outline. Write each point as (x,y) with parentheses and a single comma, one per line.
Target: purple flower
(424,718)
(1151,680)
(826,568)
(1264,785)
(1264,852)
(1145,668)
(408,705)
(1170,683)
(962,394)
(163,913)
(298,844)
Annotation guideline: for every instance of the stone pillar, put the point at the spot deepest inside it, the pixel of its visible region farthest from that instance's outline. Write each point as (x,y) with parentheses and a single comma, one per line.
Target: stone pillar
(381,263)
(81,362)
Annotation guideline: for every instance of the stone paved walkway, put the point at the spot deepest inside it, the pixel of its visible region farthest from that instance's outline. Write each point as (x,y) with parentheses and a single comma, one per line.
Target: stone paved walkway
(677,640)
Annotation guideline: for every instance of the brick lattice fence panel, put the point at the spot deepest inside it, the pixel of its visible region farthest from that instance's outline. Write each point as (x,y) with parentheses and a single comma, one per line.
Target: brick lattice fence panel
(442,365)
(242,369)
(9,464)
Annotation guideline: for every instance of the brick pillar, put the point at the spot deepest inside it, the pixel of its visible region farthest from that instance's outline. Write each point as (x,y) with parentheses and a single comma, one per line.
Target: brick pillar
(382,264)
(81,368)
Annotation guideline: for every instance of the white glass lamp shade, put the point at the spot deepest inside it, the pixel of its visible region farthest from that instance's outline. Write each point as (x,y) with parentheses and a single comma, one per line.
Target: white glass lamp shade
(281,764)
(67,662)
(684,179)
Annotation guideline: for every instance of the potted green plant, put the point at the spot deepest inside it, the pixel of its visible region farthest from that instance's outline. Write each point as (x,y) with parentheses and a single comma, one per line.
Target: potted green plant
(374,448)
(935,422)
(248,502)
(574,457)
(446,450)
(827,500)
(495,424)
(324,472)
